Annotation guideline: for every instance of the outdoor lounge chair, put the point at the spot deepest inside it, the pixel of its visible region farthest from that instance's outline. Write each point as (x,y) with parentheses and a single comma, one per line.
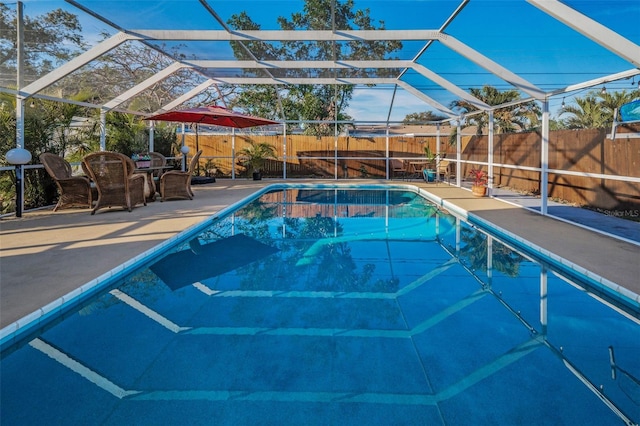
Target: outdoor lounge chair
(446,170)
(398,169)
(176,183)
(74,191)
(115,181)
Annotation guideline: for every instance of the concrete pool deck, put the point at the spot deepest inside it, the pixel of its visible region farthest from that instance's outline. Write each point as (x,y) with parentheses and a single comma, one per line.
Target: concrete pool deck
(45,255)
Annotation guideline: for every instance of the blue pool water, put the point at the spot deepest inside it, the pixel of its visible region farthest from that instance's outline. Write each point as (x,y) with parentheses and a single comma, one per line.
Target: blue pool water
(333,307)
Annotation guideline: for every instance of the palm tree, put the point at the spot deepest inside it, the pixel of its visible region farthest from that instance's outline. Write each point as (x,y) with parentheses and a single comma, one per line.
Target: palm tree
(588,113)
(614,100)
(507,119)
(255,156)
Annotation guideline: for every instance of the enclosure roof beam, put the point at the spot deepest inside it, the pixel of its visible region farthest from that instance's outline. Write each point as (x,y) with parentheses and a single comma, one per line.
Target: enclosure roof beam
(591,29)
(444,83)
(299,64)
(74,64)
(596,81)
(493,67)
(418,94)
(159,76)
(330,81)
(186,96)
(346,65)
(287,35)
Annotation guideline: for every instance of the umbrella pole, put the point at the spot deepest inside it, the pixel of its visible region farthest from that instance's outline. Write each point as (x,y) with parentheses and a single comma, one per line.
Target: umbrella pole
(184,156)
(197,149)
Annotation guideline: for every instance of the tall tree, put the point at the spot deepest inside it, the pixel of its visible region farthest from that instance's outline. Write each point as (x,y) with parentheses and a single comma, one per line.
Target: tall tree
(422,117)
(49,39)
(131,63)
(309,102)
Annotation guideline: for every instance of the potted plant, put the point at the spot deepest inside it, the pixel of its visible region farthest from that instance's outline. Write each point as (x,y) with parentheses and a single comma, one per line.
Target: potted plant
(142,161)
(429,171)
(479,182)
(255,156)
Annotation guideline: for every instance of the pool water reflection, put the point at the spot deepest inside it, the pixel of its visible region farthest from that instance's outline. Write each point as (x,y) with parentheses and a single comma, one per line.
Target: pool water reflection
(334,307)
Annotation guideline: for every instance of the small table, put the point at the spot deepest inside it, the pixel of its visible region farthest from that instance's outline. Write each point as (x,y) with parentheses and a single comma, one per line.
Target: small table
(150,184)
(415,169)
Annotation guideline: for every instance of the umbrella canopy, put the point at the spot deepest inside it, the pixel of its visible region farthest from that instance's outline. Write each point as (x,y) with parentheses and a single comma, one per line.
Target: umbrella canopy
(215,115)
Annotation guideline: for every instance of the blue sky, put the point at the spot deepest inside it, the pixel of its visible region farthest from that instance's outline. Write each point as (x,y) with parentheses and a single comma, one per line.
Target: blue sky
(513,33)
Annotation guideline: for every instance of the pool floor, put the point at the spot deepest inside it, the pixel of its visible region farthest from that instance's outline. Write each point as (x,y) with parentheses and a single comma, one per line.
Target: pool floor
(361,330)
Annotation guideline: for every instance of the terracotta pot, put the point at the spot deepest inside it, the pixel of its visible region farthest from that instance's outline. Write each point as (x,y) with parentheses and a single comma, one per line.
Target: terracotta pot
(479,190)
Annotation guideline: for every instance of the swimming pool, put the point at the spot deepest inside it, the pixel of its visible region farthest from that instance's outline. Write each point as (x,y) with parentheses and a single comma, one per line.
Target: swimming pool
(310,306)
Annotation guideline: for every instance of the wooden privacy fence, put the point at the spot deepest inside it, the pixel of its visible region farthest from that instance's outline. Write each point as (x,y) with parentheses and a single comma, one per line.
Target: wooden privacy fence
(575,151)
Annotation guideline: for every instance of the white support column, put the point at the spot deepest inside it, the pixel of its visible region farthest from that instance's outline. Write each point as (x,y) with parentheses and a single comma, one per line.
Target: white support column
(19,107)
(490,154)
(544,158)
(459,153)
(284,212)
(438,141)
(233,153)
(152,126)
(386,149)
(335,127)
(489,260)
(284,150)
(20,99)
(543,299)
(458,235)
(20,145)
(19,121)
(335,151)
(103,130)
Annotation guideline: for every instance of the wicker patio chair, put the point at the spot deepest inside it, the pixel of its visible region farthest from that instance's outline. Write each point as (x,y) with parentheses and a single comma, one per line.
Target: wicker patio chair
(74,191)
(446,170)
(113,175)
(157,160)
(398,169)
(177,184)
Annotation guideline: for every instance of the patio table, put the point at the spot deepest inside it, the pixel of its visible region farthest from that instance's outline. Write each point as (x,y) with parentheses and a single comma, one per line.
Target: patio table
(150,184)
(414,169)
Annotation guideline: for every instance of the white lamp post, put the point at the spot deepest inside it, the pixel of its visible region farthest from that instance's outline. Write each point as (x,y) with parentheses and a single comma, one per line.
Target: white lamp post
(18,157)
(184,150)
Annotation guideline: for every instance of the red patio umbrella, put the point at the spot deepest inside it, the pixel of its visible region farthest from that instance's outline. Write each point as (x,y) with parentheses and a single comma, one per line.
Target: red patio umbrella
(212,114)
(215,115)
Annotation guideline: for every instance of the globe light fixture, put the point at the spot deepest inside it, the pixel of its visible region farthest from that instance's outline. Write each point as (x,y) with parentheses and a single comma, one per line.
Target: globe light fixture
(184,150)
(18,157)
